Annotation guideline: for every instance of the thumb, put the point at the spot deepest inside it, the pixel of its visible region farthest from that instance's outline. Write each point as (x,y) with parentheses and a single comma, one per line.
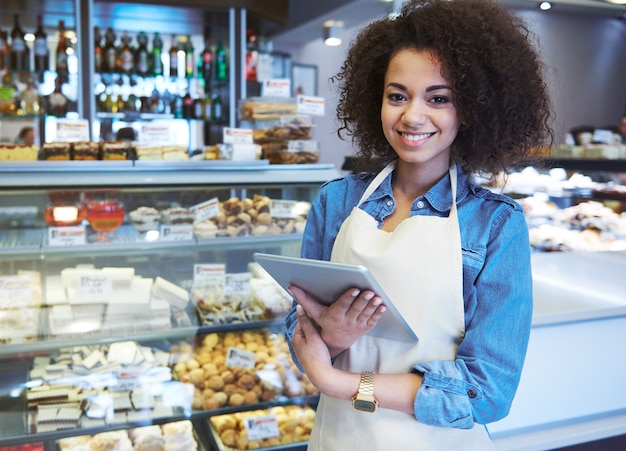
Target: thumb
(305,322)
(313,308)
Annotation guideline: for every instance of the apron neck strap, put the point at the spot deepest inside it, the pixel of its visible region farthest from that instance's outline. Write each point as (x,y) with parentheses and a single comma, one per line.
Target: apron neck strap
(375,183)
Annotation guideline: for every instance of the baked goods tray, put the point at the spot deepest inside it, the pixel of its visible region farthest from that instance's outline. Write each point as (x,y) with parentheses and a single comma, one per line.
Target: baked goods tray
(283,429)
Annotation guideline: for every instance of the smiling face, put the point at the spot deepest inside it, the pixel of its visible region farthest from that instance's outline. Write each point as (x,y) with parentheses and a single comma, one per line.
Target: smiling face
(418,116)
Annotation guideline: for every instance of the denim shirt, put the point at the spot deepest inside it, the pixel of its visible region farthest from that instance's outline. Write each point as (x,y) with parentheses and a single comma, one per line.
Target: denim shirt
(480,384)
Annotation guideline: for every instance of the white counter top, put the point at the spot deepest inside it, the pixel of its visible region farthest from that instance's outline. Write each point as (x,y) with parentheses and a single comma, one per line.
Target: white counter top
(578,286)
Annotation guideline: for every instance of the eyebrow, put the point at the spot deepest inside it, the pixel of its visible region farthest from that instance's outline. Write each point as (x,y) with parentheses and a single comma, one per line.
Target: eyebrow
(429,89)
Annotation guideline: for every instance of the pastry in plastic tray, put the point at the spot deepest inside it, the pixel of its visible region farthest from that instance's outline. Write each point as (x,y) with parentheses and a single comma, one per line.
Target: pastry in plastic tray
(266,108)
(238,368)
(10,152)
(86,150)
(56,151)
(175,436)
(293,152)
(260,429)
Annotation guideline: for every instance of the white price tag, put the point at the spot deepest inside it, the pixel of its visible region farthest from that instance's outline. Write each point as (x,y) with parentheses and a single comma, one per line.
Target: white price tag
(207,209)
(259,428)
(310,105)
(94,287)
(239,358)
(237,283)
(71,130)
(284,208)
(176,233)
(276,87)
(155,134)
(209,275)
(15,289)
(67,236)
(237,135)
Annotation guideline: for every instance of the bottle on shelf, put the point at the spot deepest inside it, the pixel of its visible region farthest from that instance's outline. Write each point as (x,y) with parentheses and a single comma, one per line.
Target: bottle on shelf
(174,57)
(207,107)
(188,106)
(8,94)
(189,58)
(157,105)
(217,112)
(126,55)
(5,51)
(61,55)
(109,61)
(98,50)
(41,52)
(57,102)
(205,62)
(221,62)
(19,50)
(142,59)
(30,101)
(177,106)
(157,50)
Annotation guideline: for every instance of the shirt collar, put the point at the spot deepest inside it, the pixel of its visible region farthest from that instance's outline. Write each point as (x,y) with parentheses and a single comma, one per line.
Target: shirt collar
(439,196)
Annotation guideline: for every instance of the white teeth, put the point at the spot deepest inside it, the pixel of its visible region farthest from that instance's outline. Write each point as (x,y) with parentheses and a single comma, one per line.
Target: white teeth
(416,137)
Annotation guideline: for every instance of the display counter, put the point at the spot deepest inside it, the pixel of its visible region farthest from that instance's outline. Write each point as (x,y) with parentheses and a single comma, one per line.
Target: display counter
(573,388)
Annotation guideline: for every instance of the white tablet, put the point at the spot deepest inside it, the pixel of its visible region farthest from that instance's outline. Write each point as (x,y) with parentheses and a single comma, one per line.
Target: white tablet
(328,280)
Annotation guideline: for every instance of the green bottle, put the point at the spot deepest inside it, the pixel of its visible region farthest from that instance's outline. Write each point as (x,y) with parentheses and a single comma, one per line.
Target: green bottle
(221,63)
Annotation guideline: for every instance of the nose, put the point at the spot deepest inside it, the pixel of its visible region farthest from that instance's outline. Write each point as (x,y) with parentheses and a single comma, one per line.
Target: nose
(415,114)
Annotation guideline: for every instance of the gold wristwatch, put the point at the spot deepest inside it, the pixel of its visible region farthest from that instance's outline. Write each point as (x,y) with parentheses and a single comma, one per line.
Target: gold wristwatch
(364,399)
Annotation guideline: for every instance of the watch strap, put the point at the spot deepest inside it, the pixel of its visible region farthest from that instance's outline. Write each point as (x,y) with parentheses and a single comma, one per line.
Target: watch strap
(366,385)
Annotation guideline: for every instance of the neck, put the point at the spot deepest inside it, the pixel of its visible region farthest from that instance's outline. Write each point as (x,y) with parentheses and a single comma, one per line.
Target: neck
(412,181)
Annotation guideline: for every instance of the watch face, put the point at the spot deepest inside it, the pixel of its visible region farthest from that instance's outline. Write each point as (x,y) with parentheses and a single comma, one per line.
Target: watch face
(365,406)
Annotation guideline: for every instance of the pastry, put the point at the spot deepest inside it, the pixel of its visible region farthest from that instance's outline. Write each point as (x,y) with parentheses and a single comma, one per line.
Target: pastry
(55,151)
(179,436)
(86,150)
(145,219)
(116,150)
(204,229)
(177,216)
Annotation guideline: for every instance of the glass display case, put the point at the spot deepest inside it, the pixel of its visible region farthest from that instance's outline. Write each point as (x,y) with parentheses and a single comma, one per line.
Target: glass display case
(129,296)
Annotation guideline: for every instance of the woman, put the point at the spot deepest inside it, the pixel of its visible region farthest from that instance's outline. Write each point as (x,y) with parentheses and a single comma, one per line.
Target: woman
(445,89)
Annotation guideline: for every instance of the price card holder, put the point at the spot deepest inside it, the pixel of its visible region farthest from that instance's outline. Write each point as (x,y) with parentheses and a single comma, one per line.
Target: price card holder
(72,130)
(284,208)
(209,275)
(276,87)
(15,290)
(237,284)
(155,134)
(206,210)
(67,236)
(310,105)
(240,358)
(260,428)
(232,135)
(92,288)
(176,233)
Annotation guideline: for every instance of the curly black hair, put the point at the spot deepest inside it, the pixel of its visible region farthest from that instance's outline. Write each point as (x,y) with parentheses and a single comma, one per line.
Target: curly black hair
(485,53)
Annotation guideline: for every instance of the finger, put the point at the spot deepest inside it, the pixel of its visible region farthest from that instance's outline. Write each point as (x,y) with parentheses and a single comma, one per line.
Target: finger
(306,323)
(312,306)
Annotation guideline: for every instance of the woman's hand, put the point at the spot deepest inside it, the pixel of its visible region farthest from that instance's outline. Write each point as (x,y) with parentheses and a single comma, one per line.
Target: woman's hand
(342,323)
(311,351)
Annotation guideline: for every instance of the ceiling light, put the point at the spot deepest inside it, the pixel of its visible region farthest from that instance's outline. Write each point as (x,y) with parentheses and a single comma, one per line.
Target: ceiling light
(617,2)
(544,6)
(332,32)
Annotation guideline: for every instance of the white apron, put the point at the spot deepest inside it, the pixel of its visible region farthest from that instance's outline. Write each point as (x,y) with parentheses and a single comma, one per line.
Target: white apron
(419,265)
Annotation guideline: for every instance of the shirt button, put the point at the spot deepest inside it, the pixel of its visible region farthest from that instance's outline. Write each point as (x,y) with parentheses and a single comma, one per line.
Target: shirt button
(389,203)
(420,204)
(471,393)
